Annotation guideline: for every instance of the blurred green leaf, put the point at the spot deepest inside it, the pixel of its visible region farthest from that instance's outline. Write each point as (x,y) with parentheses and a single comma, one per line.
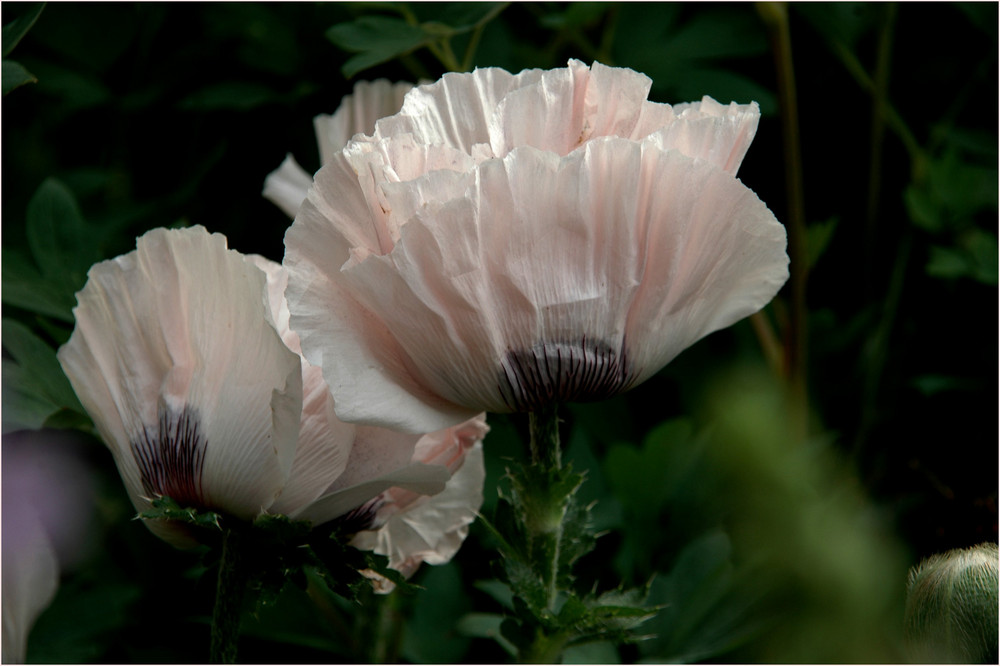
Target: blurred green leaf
(14,31)
(601,652)
(933,384)
(77,628)
(377,39)
(975,257)
(460,16)
(432,635)
(76,90)
(699,619)
(575,15)
(24,287)
(34,386)
(690,58)
(61,242)
(229,96)
(818,236)
(844,22)
(15,75)
(644,479)
(485,625)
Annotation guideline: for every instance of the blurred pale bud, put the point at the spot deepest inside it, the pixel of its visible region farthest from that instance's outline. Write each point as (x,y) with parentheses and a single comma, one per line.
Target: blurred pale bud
(951,607)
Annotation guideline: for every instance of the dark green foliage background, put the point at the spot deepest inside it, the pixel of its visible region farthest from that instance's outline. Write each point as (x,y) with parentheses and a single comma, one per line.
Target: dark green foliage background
(162,114)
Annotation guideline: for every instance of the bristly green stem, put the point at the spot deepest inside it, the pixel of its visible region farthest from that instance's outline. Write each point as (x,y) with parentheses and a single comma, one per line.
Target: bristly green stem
(544,425)
(775,17)
(234,575)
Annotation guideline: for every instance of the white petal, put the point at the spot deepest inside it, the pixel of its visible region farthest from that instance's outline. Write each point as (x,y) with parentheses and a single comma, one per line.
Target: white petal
(434,530)
(178,335)
(287,186)
(357,113)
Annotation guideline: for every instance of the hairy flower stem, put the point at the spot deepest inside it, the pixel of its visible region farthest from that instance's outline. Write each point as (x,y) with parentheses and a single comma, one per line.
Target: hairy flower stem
(234,575)
(544,426)
(547,531)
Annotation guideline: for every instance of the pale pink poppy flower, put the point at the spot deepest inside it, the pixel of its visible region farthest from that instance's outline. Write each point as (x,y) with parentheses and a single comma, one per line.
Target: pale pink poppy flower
(510,241)
(183,357)
(287,185)
(408,523)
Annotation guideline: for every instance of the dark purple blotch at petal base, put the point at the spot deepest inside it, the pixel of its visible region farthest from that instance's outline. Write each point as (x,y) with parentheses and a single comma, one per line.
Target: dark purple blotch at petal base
(555,372)
(171,457)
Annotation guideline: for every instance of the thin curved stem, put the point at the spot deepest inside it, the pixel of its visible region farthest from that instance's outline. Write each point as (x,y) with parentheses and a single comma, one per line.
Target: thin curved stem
(775,17)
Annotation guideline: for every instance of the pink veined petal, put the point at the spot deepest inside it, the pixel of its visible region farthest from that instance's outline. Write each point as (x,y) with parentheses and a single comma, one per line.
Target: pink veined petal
(704,130)
(417,477)
(335,227)
(159,360)
(447,448)
(712,254)
(543,260)
(324,441)
(357,114)
(454,110)
(287,186)
(431,531)
(568,107)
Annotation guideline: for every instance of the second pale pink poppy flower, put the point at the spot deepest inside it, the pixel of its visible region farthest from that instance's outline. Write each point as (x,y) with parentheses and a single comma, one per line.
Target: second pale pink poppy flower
(506,242)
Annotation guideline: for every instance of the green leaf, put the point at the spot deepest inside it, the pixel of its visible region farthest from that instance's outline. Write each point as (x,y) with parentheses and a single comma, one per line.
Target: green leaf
(63,245)
(700,619)
(377,39)
(230,96)
(165,508)
(34,386)
(818,236)
(82,621)
(485,625)
(845,22)
(14,31)
(15,76)
(576,15)
(975,257)
(601,652)
(431,636)
(24,287)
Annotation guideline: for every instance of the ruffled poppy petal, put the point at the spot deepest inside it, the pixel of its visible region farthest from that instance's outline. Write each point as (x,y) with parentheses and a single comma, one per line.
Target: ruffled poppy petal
(324,441)
(357,114)
(287,186)
(335,227)
(456,109)
(705,130)
(158,359)
(568,107)
(431,531)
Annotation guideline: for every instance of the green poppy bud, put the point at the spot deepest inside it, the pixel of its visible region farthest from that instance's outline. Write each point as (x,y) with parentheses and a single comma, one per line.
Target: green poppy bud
(951,607)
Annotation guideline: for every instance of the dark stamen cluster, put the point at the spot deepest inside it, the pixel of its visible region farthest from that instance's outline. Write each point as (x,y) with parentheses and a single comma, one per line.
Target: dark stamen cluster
(359,519)
(553,372)
(171,457)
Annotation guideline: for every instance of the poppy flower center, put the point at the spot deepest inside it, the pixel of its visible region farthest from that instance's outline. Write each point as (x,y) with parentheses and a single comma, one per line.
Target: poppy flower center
(171,457)
(552,372)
